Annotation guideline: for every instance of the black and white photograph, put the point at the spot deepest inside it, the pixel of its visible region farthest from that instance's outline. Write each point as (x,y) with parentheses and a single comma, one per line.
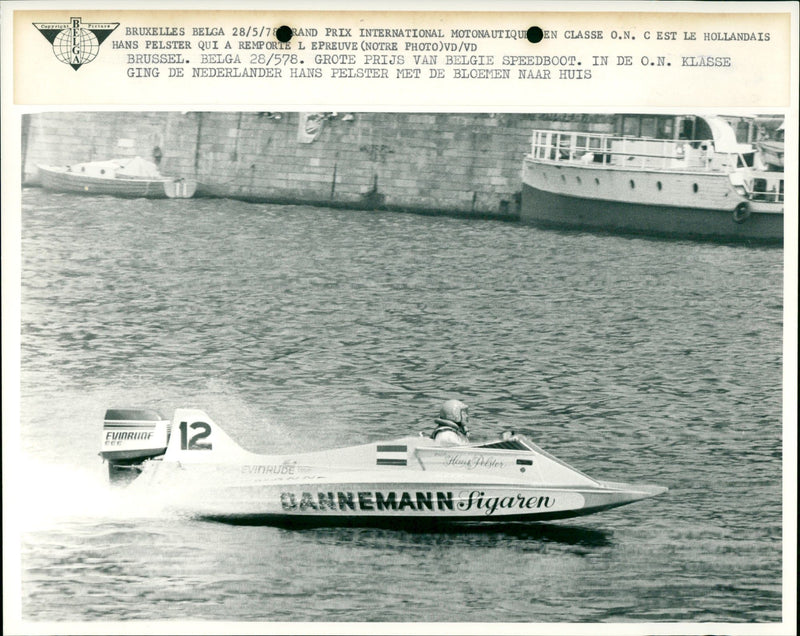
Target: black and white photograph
(427,368)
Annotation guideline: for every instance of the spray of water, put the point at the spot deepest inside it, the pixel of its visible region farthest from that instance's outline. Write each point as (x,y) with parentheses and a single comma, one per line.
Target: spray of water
(51,494)
(47,492)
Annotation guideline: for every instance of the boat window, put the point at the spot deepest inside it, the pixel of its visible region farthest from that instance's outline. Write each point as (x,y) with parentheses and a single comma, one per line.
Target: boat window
(702,130)
(745,128)
(648,127)
(687,129)
(512,444)
(665,128)
(630,126)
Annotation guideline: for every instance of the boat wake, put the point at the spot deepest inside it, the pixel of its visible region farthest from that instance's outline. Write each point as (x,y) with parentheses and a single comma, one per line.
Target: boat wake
(52,494)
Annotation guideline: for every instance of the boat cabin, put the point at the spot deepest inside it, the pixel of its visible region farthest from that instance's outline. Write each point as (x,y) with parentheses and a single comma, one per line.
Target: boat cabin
(713,136)
(683,127)
(651,142)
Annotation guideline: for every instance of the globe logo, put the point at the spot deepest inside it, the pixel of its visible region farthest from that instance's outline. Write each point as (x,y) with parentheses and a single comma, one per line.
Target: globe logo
(76,46)
(76,42)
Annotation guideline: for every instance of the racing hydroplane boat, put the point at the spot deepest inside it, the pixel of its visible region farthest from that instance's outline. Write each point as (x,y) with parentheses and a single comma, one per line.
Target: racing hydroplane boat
(405,481)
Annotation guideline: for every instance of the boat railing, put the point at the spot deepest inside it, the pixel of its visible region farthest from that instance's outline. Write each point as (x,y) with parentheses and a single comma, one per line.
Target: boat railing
(640,153)
(763,186)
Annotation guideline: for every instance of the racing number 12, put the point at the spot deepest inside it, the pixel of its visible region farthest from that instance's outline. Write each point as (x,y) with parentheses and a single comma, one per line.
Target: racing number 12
(194,443)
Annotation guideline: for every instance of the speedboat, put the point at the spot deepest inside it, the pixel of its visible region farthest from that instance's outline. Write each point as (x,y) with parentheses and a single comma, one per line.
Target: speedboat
(405,481)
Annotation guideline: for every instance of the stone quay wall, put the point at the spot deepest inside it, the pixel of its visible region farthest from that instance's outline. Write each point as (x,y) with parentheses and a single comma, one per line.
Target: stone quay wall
(462,164)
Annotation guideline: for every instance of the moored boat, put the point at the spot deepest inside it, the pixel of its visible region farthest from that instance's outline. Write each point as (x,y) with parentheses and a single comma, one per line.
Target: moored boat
(681,176)
(770,141)
(132,178)
(772,153)
(197,469)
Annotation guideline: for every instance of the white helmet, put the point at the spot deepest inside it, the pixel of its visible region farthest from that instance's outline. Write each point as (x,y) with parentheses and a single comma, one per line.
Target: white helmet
(456,412)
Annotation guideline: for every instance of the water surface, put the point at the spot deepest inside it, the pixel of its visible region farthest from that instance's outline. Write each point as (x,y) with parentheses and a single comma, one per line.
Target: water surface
(305,328)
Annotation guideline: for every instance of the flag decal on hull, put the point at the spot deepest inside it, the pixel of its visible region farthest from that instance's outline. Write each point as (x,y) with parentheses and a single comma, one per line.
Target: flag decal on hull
(391,455)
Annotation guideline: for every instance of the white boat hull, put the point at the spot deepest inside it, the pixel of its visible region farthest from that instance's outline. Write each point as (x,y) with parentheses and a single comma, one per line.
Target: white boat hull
(652,203)
(407,481)
(63,179)
(398,504)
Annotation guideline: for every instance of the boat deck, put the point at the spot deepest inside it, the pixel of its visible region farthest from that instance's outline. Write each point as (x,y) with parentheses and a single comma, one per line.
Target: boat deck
(610,152)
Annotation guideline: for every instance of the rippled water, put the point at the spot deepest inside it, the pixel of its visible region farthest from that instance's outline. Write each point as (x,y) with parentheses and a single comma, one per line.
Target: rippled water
(304,328)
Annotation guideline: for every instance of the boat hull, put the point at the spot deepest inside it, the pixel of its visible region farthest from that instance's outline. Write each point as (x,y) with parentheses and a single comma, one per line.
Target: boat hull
(405,481)
(61,180)
(370,519)
(556,210)
(224,494)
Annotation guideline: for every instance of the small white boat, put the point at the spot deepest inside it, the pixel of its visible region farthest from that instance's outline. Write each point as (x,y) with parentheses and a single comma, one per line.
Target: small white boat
(406,481)
(771,146)
(132,178)
(772,153)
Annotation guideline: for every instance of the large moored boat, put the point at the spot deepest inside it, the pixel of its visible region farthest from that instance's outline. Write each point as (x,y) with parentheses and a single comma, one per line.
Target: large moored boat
(662,175)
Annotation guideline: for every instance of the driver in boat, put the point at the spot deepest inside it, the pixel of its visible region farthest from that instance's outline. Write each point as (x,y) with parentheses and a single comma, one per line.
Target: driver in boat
(451,425)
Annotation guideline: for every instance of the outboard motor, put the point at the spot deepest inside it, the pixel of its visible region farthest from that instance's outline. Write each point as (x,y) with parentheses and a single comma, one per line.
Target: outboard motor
(132,436)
